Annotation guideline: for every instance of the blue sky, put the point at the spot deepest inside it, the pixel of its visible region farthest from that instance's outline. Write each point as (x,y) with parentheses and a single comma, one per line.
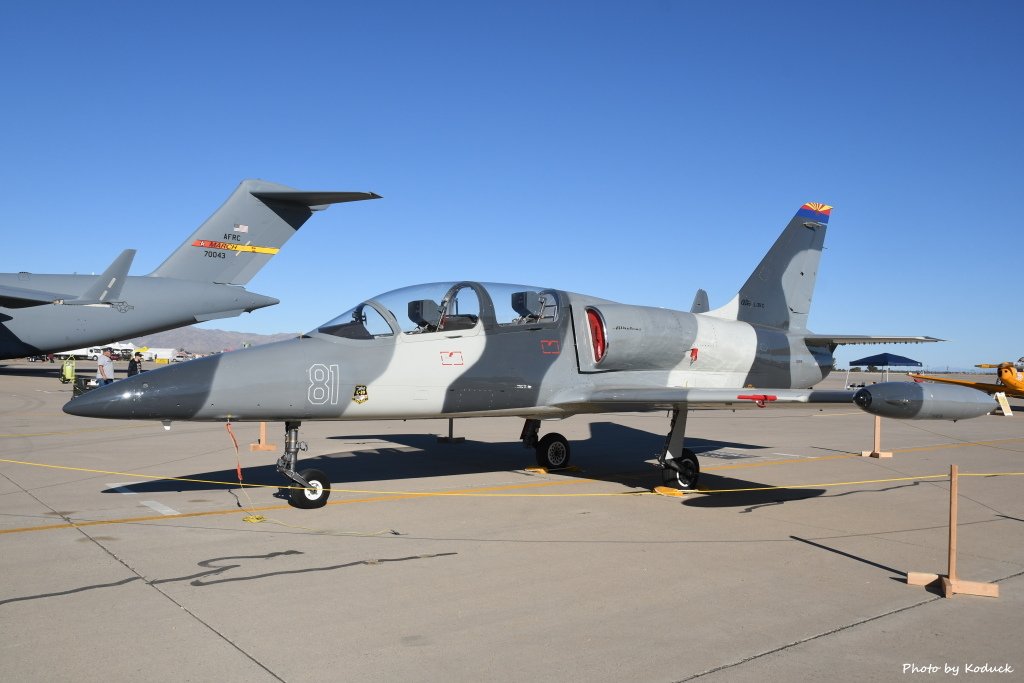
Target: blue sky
(634,151)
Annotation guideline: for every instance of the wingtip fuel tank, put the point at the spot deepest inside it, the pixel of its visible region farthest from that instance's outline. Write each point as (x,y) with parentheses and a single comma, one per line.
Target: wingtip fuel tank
(920,401)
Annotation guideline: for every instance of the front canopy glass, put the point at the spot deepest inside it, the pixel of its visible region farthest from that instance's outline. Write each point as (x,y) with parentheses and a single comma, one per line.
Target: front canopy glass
(445,306)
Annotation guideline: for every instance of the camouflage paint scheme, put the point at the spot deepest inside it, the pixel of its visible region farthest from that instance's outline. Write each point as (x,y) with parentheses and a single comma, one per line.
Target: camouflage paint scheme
(201,280)
(467,349)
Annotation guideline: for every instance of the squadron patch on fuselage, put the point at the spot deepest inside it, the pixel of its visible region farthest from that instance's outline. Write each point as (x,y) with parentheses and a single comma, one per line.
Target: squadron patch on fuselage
(359,394)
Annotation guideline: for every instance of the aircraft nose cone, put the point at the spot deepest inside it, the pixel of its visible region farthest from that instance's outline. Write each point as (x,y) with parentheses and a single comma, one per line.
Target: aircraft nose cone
(176,392)
(112,400)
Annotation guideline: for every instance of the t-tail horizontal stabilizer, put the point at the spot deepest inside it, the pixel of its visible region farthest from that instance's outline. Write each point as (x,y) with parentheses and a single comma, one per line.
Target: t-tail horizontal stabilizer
(251,226)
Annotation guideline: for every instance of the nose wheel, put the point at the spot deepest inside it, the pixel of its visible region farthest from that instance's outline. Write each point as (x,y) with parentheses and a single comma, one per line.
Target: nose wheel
(314,495)
(315,488)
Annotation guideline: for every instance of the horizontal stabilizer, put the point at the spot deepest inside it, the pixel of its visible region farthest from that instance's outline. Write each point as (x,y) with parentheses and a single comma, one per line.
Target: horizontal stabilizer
(316,201)
(837,339)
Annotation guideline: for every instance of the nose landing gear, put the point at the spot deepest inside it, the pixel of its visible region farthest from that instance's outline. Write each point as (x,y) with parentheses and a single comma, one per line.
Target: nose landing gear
(316,488)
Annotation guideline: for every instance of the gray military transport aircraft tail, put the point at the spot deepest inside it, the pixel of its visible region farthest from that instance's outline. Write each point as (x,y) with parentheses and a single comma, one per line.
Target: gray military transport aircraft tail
(202,280)
(471,349)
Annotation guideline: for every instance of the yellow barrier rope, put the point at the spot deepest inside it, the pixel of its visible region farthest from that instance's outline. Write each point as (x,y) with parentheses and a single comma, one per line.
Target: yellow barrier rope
(491,494)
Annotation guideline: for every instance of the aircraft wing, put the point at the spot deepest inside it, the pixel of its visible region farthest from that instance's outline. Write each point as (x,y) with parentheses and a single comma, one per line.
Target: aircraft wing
(19,297)
(645,398)
(105,288)
(836,339)
(987,387)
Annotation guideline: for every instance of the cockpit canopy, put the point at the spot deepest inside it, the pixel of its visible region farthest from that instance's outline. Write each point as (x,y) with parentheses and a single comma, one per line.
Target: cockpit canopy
(445,306)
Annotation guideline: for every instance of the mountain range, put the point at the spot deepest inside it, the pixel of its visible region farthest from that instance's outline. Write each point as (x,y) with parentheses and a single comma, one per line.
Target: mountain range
(198,340)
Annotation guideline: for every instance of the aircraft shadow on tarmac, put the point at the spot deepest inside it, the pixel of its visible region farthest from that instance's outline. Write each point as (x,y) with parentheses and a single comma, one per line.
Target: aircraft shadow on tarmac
(724,497)
(614,453)
(37,370)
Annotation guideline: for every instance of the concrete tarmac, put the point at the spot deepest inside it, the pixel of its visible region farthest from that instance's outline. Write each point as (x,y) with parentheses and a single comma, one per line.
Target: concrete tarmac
(125,557)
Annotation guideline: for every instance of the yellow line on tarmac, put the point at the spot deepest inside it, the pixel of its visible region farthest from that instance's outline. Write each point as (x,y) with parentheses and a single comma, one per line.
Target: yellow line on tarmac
(348,501)
(914,449)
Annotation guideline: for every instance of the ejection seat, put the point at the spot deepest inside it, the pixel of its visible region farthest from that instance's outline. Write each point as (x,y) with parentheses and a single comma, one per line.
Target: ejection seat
(533,307)
(426,314)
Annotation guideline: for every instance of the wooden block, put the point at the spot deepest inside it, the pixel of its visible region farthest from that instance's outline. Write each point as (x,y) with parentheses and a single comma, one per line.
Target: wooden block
(261,444)
(947,587)
(876,454)
(1004,405)
(987,590)
(921,578)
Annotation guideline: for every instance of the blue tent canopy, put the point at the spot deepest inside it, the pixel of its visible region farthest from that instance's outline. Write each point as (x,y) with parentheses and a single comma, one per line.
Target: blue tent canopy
(885,360)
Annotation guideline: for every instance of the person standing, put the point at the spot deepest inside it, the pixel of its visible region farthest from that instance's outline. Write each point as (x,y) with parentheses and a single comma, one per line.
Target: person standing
(135,364)
(105,368)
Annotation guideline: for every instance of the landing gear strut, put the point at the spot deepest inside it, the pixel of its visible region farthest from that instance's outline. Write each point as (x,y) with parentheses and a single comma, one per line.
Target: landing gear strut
(679,465)
(316,488)
(552,451)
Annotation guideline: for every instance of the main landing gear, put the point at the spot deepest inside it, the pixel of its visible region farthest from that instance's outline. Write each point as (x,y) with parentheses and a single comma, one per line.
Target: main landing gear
(315,486)
(552,451)
(680,468)
(679,465)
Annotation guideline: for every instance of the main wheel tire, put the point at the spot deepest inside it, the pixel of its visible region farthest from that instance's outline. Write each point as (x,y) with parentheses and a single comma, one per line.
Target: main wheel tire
(314,497)
(682,472)
(553,452)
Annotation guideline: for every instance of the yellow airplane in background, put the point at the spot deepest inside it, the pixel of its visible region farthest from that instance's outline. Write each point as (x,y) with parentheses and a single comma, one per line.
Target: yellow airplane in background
(1010,381)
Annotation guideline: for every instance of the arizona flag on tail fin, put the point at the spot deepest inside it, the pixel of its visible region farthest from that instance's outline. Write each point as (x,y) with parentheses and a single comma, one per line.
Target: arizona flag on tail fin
(819,212)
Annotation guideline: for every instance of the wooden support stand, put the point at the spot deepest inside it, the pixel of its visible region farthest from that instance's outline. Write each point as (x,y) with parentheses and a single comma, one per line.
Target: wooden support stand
(261,444)
(451,438)
(1004,405)
(877,452)
(950,582)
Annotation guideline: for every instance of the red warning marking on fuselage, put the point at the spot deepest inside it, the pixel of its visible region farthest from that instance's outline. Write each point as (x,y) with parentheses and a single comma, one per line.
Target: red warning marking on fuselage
(550,347)
(452,358)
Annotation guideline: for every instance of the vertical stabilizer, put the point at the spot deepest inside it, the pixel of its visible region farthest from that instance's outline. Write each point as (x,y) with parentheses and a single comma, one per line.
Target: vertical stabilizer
(243,234)
(700,302)
(779,291)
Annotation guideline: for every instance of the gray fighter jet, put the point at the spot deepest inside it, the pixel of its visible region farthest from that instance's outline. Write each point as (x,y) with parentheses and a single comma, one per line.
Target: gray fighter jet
(202,280)
(468,349)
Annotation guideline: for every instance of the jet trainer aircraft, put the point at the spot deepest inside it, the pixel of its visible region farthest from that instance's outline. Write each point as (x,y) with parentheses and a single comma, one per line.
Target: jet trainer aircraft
(202,280)
(469,349)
